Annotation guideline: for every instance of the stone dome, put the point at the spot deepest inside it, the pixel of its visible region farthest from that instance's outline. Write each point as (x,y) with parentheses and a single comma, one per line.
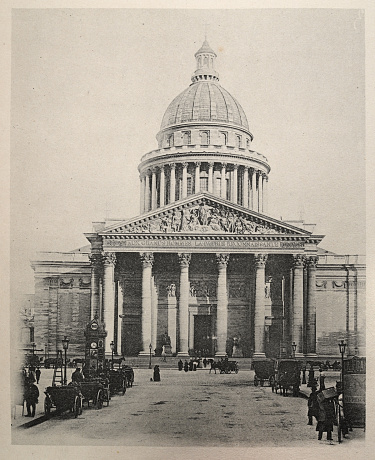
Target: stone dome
(204,101)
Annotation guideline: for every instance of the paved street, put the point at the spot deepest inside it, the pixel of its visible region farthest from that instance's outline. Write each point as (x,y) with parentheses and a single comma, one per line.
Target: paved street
(184,409)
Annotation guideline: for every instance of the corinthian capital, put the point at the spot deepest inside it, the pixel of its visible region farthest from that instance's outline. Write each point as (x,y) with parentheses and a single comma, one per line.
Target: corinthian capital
(222,260)
(96,260)
(184,259)
(147,259)
(260,260)
(298,260)
(312,262)
(109,258)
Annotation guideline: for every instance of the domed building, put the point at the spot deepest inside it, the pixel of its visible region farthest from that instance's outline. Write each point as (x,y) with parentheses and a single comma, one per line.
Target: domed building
(203,269)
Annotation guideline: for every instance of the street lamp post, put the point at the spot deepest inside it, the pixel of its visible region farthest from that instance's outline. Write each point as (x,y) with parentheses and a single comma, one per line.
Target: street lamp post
(342,347)
(149,364)
(294,348)
(34,346)
(65,342)
(112,345)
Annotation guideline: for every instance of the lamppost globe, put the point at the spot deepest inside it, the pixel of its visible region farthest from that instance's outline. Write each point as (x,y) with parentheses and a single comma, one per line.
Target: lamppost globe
(65,343)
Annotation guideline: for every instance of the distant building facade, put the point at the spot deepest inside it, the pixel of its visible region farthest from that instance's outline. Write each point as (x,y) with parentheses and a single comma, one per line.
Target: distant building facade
(203,263)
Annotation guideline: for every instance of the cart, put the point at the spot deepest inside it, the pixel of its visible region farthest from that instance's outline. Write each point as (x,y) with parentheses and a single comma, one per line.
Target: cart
(288,376)
(227,367)
(96,391)
(264,371)
(129,374)
(63,398)
(117,381)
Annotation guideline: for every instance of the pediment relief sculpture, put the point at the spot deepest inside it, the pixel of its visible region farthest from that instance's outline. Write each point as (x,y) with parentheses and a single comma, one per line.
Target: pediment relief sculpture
(202,218)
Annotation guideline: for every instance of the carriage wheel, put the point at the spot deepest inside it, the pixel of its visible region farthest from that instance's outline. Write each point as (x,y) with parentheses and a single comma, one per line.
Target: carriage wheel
(255,381)
(123,386)
(77,406)
(47,405)
(99,399)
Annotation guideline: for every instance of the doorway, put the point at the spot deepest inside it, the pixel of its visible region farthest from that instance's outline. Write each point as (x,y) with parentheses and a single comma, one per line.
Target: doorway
(203,335)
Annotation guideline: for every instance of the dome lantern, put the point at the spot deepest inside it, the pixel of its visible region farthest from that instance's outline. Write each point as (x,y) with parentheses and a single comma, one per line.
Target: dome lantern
(205,58)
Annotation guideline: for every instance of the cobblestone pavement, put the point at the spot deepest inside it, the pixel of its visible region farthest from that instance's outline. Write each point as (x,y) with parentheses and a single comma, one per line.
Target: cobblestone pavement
(185,409)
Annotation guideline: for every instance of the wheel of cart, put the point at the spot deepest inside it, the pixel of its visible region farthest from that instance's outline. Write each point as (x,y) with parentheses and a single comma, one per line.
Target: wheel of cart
(288,376)
(117,381)
(129,374)
(94,391)
(63,398)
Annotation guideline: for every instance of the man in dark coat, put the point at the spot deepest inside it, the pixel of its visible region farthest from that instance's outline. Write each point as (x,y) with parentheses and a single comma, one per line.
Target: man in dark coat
(37,374)
(77,377)
(31,398)
(326,418)
(313,406)
(180,365)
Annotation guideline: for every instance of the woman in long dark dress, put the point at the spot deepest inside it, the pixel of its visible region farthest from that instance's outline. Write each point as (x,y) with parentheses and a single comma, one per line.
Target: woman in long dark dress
(156,374)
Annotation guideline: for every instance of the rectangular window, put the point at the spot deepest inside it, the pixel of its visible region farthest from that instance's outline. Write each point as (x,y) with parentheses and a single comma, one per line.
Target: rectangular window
(228,190)
(189,186)
(203,181)
(218,186)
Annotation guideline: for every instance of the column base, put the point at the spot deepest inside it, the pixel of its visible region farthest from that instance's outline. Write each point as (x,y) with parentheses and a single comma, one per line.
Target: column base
(259,355)
(183,354)
(145,353)
(220,354)
(311,355)
(299,355)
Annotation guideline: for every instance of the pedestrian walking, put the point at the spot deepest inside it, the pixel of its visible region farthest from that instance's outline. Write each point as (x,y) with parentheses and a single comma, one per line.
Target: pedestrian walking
(191,364)
(156,373)
(310,381)
(313,406)
(180,365)
(186,366)
(37,374)
(31,398)
(326,417)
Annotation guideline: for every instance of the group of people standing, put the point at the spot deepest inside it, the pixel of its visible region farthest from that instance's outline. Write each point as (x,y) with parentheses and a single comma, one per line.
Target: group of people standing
(192,365)
(30,390)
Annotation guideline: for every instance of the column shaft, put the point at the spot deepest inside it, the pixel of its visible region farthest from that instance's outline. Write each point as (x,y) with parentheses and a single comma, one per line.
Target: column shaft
(142,194)
(210,176)
(235,183)
(260,192)
(96,264)
(184,180)
(197,176)
(162,186)
(147,261)
(311,306)
(153,189)
(223,188)
(184,303)
(109,298)
(222,304)
(245,188)
(297,330)
(172,190)
(265,195)
(259,316)
(120,308)
(254,195)
(147,191)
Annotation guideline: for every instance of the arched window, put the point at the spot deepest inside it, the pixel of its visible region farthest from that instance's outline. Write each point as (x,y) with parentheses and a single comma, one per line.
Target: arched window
(205,62)
(238,141)
(205,137)
(187,138)
(223,137)
(170,140)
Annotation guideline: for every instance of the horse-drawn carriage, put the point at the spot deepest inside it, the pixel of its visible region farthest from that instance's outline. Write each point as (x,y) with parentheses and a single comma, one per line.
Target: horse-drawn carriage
(224,366)
(288,376)
(264,371)
(129,374)
(117,381)
(63,398)
(95,390)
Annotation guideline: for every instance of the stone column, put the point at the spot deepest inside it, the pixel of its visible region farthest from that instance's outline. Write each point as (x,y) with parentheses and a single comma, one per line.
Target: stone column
(142,194)
(197,176)
(184,180)
(311,306)
(223,187)
(245,188)
(172,316)
(235,183)
(184,260)
(162,186)
(153,189)
(265,195)
(96,269)
(109,297)
(297,330)
(147,261)
(147,191)
(120,308)
(172,191)
(259,316)
(260,192)
(222,304)
(210,176)
(254,195)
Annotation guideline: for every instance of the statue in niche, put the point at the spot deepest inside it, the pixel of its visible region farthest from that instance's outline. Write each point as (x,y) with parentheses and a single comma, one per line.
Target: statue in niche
(267,289)
(193,291)
(171,290)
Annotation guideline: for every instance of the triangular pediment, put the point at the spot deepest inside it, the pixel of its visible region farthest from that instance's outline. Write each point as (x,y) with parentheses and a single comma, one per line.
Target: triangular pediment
(204,213)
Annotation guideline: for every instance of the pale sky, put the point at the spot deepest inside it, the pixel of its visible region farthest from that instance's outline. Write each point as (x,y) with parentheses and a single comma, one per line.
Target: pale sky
(90,87)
